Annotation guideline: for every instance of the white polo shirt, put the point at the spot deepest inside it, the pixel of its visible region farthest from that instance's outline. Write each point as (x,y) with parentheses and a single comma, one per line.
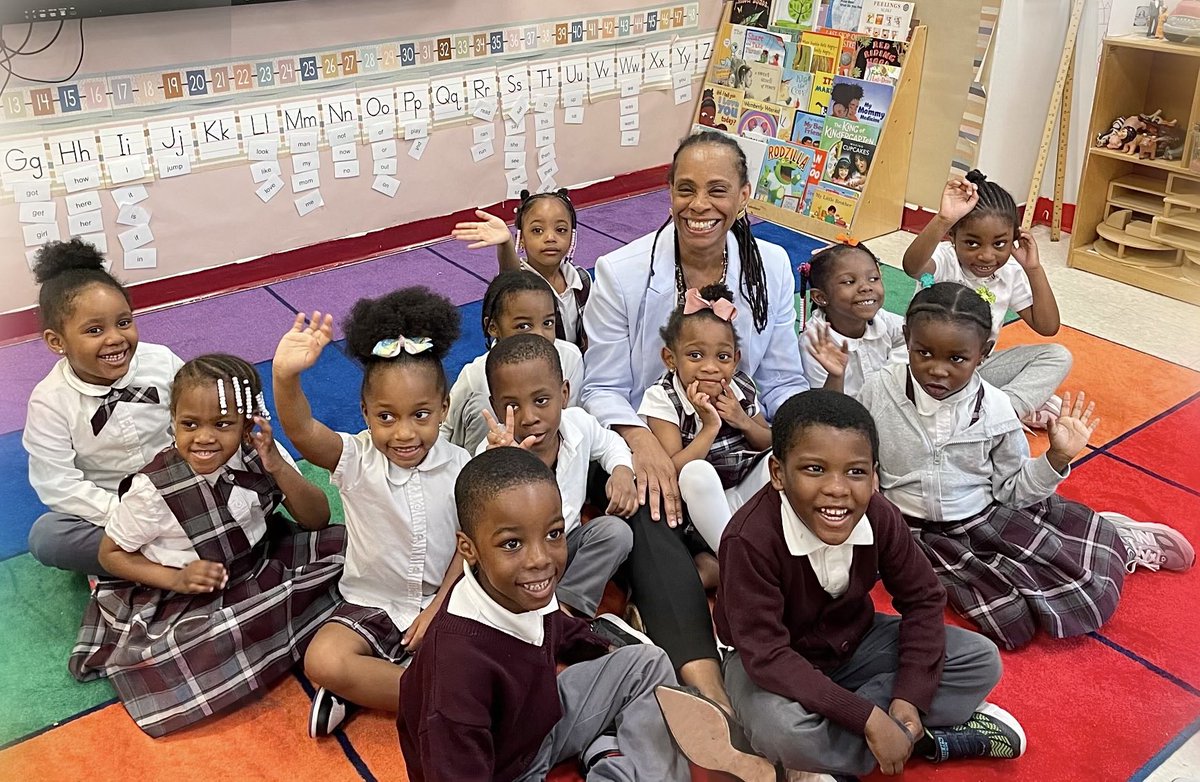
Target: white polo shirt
(1008,284)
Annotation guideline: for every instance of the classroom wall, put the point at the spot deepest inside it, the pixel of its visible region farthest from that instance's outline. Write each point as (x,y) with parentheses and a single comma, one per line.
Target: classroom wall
(212,216)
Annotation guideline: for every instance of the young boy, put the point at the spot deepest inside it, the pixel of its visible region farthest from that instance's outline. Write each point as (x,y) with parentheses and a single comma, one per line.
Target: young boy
(529,394)
(821,681)
(481,699)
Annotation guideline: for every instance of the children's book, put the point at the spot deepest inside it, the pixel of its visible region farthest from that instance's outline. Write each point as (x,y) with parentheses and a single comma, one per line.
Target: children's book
(836,130)
(844,14)
(806,129)
(822,88)
(720,106)
(795,89)
(764,48)
(759,117)
(859,101)
(754,13)
(883,74)
(860,154)
(834,205)
(794,14)
(799,56)
(784,173)
(787,118)
(849,42)
(820,160)
(826,51)
(763,82)
(886,19)
(876,51)
(728,58)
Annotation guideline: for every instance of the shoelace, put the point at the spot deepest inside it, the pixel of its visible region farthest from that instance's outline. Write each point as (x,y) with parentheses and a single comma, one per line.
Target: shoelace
(978,738)
(1146,550)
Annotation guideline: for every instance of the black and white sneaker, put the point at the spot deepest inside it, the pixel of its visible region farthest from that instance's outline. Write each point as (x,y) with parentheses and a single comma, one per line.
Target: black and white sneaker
(327,714)
(990,733)
(617,632)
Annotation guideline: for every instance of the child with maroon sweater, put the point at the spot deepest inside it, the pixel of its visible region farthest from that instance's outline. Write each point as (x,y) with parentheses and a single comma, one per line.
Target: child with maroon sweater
(482,699)
(821,681)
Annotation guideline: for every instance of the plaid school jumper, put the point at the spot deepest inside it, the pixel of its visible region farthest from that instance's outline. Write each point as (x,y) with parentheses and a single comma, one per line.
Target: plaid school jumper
(730,455)
(175,659)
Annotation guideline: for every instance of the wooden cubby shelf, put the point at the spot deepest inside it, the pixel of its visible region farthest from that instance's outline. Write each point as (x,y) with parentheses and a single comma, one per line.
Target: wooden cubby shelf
(1140,75)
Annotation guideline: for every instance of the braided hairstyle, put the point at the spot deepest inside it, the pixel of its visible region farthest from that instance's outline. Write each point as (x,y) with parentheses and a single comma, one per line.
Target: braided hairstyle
(414,313)
(63,270)
(753,281)
(717,290)
(529,199)
(507,284)
(993,200)
(817,271)
(952,303)
(242,385)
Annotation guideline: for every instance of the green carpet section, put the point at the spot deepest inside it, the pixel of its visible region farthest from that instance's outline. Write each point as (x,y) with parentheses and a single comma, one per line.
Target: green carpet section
(40,608)
(320,477)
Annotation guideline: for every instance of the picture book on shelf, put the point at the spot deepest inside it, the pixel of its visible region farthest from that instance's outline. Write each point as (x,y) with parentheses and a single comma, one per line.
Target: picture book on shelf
(826,50)
(762,82)
(859,100)
(759,117)
(720,107)
(852,164)
(728,60)
(755,13)
(834,205)
(764,48)
(844,14)
(849,42)
(822,87)
(798,56)
(835,130)
(787,118)
(883,74)
(795,89)
(784,173)
(753,148)
(806,129)
(794,14)
(876,51)
(886,19)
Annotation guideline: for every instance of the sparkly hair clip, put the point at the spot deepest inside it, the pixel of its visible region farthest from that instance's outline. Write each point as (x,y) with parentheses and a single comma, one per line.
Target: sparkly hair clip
(848,240)
(986,294)
(927,280)
(390,348)
(221,395)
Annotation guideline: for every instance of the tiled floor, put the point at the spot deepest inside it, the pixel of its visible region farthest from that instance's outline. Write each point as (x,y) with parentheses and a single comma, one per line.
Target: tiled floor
(1136,355)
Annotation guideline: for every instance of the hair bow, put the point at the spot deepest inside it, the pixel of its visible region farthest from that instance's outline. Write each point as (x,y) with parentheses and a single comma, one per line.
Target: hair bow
(804,268)
(847,239)
(390,348)
(722,308)
(927,280)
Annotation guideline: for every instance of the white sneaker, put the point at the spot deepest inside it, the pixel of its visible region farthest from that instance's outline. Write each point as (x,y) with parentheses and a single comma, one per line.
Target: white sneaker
(617,632)
(328,712)
(1152,546)
(1041,418)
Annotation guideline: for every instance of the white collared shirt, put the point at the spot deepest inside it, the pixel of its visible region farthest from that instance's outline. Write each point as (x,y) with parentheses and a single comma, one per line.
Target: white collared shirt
(568,305)
(143,521)
(1008,284)
(76,472)
(656,403)
(882,343)
(582,440)
(941,419)
(469,601)
(400,525)
(831,564)
(469,396)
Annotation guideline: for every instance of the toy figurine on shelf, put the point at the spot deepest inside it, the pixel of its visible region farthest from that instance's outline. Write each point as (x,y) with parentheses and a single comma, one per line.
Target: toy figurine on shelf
(1145,135)
(1122,131)
(1158,10)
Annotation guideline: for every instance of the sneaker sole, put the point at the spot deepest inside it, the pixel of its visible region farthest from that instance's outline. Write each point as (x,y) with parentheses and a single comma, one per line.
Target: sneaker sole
(1175,535)
(314,713)
(701,730)
(1009,721)
(625,627)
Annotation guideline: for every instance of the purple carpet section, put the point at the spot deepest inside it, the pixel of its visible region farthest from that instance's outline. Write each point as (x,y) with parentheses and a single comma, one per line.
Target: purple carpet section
(248,323)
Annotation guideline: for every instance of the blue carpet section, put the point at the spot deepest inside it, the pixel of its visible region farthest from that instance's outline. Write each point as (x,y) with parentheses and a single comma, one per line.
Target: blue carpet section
(799,246)
(20,503)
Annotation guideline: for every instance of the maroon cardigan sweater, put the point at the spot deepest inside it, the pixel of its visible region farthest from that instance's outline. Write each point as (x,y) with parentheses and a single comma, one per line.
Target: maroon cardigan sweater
(476,703)
(791,634)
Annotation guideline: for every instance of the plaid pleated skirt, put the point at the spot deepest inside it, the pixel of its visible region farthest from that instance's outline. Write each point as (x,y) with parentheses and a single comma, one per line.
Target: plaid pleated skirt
(1056,565)
(176,659)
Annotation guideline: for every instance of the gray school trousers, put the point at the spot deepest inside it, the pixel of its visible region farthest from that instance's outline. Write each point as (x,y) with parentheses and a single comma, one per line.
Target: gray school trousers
(1029,374)
(614,691)
(67,542)
(786,733)
(594,552)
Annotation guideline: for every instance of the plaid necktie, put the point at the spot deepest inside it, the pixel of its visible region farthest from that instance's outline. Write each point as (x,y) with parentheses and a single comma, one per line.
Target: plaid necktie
(147,395)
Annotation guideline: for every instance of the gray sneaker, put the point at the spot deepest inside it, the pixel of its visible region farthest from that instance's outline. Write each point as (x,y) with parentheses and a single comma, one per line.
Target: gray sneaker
(1152,546)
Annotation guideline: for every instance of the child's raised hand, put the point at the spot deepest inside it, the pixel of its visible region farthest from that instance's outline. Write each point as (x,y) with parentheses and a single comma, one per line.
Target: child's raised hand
(1025,250)
(622,493)
(302,345)
(730,409)
(1070,432)
(832,357)
(958,199)
(703,404)
(490,231)
(502,436)
(263,440)
(199,577)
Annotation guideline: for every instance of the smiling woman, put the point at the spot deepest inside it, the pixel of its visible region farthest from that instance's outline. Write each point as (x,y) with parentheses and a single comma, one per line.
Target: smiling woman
(706,239)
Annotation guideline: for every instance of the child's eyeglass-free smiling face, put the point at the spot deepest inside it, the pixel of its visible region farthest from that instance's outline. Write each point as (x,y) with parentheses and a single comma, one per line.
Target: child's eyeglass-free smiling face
(828,476)
(851,293)
(983,244)
(704,352)
(98,336)
(403,405)
(205,437)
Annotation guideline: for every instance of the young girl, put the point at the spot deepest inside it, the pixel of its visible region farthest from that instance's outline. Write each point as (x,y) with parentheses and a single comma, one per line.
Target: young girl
(985,238)
(215,596)
(841,172)
(1013,555)
(102,412)
(517,302)
(546,233)
(705,412)
(846,288)
(396,480)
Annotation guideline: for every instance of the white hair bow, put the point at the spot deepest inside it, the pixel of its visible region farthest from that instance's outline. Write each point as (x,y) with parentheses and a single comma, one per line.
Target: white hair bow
(390,348)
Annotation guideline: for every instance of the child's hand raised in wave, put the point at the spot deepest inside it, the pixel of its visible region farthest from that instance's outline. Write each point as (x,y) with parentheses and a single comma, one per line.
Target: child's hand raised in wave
(301,347)
(832,357)
(502,436)
(489,232)
(1070,432)
(263,441)
(958,199)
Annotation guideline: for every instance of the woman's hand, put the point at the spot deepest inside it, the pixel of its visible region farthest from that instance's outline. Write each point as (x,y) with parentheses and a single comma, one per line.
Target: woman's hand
(657,480)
